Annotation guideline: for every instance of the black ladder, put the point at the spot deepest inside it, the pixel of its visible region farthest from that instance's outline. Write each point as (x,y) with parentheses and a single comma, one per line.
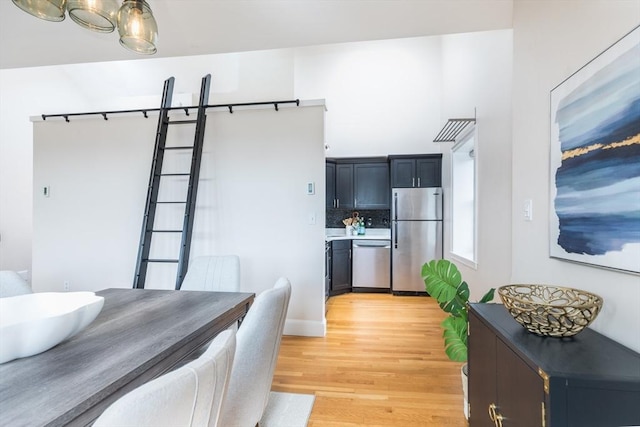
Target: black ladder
(157,177)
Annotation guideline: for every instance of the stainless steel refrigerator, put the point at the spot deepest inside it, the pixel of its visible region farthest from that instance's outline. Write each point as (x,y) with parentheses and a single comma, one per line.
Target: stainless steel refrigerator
(416,236)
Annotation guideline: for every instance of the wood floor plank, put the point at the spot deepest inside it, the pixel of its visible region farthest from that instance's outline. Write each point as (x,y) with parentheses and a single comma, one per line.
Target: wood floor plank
(382,363)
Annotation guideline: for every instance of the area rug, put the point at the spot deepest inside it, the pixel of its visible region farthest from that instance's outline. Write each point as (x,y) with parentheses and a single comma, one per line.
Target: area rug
(287,410)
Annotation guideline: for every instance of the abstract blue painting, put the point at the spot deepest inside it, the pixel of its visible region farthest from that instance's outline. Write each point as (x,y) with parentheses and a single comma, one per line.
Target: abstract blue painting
(595,161)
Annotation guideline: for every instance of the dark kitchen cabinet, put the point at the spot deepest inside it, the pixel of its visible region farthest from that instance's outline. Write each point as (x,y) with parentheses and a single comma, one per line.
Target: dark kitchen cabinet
(344,186)
(416,171)
(340,266)
(429,172)
(521,379)
(358,183)
(330,176)
(327,269)
(403,172)
(371,185)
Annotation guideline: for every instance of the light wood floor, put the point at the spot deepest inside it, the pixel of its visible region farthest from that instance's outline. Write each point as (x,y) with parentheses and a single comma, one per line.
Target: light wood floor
(382,363)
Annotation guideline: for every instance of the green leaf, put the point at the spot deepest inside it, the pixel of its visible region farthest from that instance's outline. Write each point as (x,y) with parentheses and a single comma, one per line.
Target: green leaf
(455,338)
(488,296)
(442,278)
(443,282)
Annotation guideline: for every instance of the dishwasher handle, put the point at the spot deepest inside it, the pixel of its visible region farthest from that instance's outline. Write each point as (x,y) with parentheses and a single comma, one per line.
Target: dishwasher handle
(372,244)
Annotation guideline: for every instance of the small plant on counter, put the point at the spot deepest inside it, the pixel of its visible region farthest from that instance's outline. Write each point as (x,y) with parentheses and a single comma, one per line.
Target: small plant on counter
(443,282)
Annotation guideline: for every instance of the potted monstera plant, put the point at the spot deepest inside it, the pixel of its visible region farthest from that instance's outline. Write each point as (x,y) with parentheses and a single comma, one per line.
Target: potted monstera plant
(444,283)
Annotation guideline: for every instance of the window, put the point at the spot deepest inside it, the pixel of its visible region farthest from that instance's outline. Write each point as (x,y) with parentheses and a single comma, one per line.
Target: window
(463,200)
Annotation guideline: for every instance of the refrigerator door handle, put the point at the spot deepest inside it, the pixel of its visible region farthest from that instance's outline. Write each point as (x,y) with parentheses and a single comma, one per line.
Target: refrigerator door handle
(395,234)
(395,206)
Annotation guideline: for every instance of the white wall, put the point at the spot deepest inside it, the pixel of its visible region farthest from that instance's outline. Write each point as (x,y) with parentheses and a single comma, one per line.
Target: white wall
(87,231)
(23,93)
(110,86)
(552,40)
(477,75)
(383,97)
(252,202)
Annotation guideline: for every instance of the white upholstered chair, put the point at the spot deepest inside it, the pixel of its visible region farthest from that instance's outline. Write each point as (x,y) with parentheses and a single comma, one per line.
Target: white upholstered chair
(257,350)
(12,284)
(189,396)
(213,273)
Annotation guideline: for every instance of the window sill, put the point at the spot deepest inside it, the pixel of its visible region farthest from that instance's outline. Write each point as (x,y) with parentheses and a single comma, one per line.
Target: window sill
(464,260)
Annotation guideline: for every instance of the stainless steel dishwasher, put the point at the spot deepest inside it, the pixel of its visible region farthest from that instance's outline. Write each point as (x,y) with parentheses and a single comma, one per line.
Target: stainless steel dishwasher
(371,264)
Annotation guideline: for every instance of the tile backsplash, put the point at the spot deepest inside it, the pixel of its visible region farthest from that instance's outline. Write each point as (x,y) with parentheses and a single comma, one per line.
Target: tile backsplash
(379,218)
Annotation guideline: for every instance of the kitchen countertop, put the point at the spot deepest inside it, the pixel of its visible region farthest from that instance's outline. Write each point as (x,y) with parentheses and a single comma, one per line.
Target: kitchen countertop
(332,234)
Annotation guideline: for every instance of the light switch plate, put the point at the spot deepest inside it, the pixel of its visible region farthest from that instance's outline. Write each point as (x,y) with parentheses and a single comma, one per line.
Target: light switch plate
(528,210)
(311,188)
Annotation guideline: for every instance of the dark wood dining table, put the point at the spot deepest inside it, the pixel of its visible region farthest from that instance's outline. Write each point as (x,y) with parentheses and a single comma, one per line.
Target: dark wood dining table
(139,335)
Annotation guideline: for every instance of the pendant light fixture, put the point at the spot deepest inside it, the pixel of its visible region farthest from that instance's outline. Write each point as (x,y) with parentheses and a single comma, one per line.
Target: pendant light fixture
(95,15)
(49,10)
(137,27)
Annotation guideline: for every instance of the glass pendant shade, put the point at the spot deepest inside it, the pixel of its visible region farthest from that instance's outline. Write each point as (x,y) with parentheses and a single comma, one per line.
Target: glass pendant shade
(95,15)
(137,27)
(49,10)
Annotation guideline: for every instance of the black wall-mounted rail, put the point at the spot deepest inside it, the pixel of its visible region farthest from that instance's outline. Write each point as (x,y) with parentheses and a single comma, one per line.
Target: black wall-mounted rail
(145,111)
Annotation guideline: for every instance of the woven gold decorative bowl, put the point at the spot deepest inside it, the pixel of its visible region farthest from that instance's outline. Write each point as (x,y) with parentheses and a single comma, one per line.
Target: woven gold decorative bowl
(550,310)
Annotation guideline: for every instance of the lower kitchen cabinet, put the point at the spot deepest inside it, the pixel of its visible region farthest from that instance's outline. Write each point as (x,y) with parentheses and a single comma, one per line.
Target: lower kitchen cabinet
(520,379)
(340,266)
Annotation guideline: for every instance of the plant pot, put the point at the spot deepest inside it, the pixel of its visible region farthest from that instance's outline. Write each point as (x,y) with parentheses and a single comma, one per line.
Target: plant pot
(464,374)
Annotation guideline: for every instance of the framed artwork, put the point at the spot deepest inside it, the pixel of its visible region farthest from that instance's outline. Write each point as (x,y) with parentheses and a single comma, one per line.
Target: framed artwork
(594,192)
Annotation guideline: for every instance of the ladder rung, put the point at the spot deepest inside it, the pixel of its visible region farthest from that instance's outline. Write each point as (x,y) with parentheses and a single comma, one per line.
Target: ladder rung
(180,122)
(184,147)
(168,203)
(174,174)
(161,260)
(164,231)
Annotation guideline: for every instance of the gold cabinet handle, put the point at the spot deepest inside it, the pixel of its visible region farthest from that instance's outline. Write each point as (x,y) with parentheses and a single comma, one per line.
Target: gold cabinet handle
(492,412)
(495,416)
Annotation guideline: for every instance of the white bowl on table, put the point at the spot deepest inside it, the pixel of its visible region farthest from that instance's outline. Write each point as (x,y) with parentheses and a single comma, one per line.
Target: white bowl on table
(33,323)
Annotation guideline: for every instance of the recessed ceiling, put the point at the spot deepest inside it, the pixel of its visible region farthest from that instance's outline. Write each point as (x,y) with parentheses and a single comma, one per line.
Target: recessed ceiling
(197,27)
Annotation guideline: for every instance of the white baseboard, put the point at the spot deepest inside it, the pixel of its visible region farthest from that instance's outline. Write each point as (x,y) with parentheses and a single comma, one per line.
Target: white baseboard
(305,328)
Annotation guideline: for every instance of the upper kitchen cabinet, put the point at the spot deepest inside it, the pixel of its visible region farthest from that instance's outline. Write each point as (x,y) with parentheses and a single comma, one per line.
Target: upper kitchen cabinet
(344,186)
(358,183)
(416,171)
(371,185)
(330,173)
